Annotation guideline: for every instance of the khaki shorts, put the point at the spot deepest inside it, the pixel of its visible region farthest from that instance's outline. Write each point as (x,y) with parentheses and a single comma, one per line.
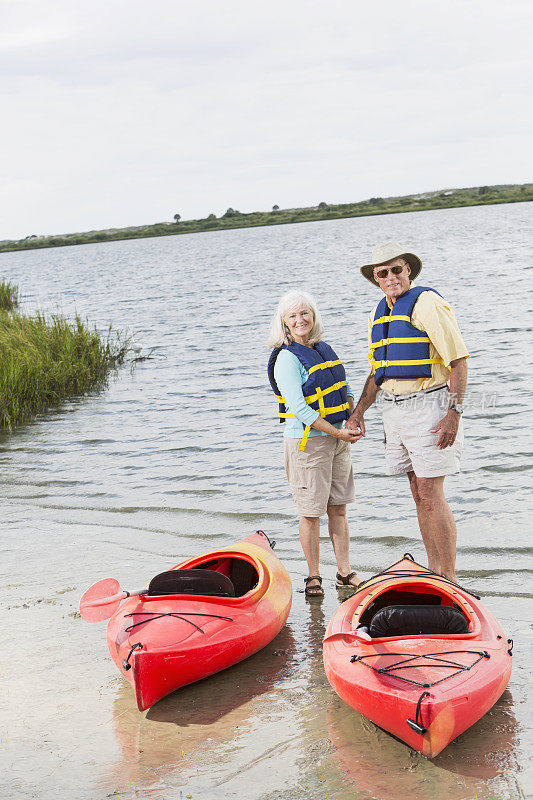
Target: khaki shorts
(319,476)
(409,444)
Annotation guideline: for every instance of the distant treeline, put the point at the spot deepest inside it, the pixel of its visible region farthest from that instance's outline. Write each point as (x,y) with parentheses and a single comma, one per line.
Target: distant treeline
(450,198)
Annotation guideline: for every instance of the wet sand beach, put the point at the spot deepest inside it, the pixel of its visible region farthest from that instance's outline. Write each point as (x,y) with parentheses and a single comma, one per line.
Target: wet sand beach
(183,454)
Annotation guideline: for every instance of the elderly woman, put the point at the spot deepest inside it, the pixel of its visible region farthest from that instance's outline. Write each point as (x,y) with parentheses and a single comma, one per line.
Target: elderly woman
(314,399)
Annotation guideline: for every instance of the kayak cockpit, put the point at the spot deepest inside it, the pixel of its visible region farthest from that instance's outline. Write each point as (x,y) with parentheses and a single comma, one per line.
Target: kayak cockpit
(243,575)
(415,608)
(227,576)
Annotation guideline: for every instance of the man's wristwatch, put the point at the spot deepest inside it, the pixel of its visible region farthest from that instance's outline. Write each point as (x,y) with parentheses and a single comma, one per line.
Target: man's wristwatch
(456,407)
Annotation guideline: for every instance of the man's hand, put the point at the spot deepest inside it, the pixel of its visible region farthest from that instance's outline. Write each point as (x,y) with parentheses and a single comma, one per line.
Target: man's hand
(368,396)
(447,429)
(356,422)
(351,435)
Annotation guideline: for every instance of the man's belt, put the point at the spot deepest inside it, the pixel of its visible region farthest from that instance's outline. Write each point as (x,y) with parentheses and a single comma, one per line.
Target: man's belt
(392,398)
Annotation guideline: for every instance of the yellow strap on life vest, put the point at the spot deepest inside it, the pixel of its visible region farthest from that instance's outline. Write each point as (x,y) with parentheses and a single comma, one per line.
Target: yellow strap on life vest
(304,437)
(320,398)
(319,395)
(391,318)
(326,411)
(409,363)
(324,365)
(312,397)
(334,409)
(402,340)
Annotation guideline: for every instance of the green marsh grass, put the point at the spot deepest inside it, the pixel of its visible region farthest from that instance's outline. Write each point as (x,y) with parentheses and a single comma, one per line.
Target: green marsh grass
(44,361)
(9,295)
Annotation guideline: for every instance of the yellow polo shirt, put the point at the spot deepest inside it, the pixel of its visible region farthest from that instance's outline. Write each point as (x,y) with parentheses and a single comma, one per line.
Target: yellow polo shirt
(436,317)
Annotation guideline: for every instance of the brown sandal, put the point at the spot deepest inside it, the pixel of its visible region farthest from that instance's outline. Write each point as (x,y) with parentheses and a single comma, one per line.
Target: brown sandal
(314,591)
(344,581)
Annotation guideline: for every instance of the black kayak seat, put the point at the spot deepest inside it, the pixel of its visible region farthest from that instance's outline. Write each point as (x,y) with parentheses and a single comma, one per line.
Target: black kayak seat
(414,620)
(243,575)
(192,581)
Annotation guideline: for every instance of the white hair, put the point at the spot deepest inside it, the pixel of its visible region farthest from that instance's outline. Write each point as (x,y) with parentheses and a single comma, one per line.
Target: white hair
(293,300)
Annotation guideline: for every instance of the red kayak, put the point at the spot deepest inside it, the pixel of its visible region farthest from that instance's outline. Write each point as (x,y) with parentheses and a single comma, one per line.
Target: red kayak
(417,655)
(199,617)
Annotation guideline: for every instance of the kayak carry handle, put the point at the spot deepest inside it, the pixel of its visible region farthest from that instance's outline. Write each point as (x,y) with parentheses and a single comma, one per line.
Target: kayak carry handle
(272,542)
(416,727)
(126,661)
(414,724)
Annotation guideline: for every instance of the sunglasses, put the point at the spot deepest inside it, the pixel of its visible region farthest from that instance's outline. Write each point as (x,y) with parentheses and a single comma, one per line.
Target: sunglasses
(382,273)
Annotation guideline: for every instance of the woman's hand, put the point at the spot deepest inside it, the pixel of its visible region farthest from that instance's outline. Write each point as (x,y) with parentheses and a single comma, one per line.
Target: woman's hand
(350,435)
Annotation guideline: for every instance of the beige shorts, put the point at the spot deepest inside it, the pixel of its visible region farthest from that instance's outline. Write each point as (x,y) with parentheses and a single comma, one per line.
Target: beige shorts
(319,476)
(409,444)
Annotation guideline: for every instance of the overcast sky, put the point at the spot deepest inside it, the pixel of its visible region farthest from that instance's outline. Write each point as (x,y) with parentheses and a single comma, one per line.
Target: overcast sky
(118,112)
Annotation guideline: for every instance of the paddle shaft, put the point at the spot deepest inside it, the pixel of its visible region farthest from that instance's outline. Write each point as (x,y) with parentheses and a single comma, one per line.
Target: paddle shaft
(115,598)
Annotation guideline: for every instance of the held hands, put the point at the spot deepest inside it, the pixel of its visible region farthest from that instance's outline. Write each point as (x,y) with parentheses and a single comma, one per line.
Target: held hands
(350,435)
(356,422)
(355,428)
(447,429)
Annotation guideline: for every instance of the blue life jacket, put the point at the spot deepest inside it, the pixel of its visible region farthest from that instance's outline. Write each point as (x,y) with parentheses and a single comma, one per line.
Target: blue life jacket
(324,389)
(398,349)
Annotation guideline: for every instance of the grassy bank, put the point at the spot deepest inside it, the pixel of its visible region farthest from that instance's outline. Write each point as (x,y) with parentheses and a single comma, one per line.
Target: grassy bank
(44,361)
(450,198)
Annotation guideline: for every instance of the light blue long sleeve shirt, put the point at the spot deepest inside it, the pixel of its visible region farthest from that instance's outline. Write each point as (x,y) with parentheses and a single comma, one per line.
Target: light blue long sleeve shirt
(290,375)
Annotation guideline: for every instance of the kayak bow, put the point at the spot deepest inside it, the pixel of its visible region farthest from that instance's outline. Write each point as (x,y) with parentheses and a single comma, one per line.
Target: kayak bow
(435,661)
(163,639)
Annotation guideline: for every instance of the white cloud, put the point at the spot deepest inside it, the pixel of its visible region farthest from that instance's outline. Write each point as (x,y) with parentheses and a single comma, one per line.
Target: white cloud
(120,113)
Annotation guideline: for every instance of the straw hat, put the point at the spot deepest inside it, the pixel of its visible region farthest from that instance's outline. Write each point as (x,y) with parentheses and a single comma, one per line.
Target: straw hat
(386,252)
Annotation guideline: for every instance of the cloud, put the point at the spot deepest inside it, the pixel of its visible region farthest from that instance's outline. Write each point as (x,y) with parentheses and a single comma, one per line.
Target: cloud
(123,113)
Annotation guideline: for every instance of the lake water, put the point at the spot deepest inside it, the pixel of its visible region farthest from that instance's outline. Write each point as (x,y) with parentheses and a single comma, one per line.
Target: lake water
(182,453)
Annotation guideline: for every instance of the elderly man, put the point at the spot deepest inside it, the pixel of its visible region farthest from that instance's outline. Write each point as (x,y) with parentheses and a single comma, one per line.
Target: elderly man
(418,360)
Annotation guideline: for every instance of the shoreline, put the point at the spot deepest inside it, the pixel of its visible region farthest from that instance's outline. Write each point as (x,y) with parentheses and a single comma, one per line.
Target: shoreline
(232,219)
